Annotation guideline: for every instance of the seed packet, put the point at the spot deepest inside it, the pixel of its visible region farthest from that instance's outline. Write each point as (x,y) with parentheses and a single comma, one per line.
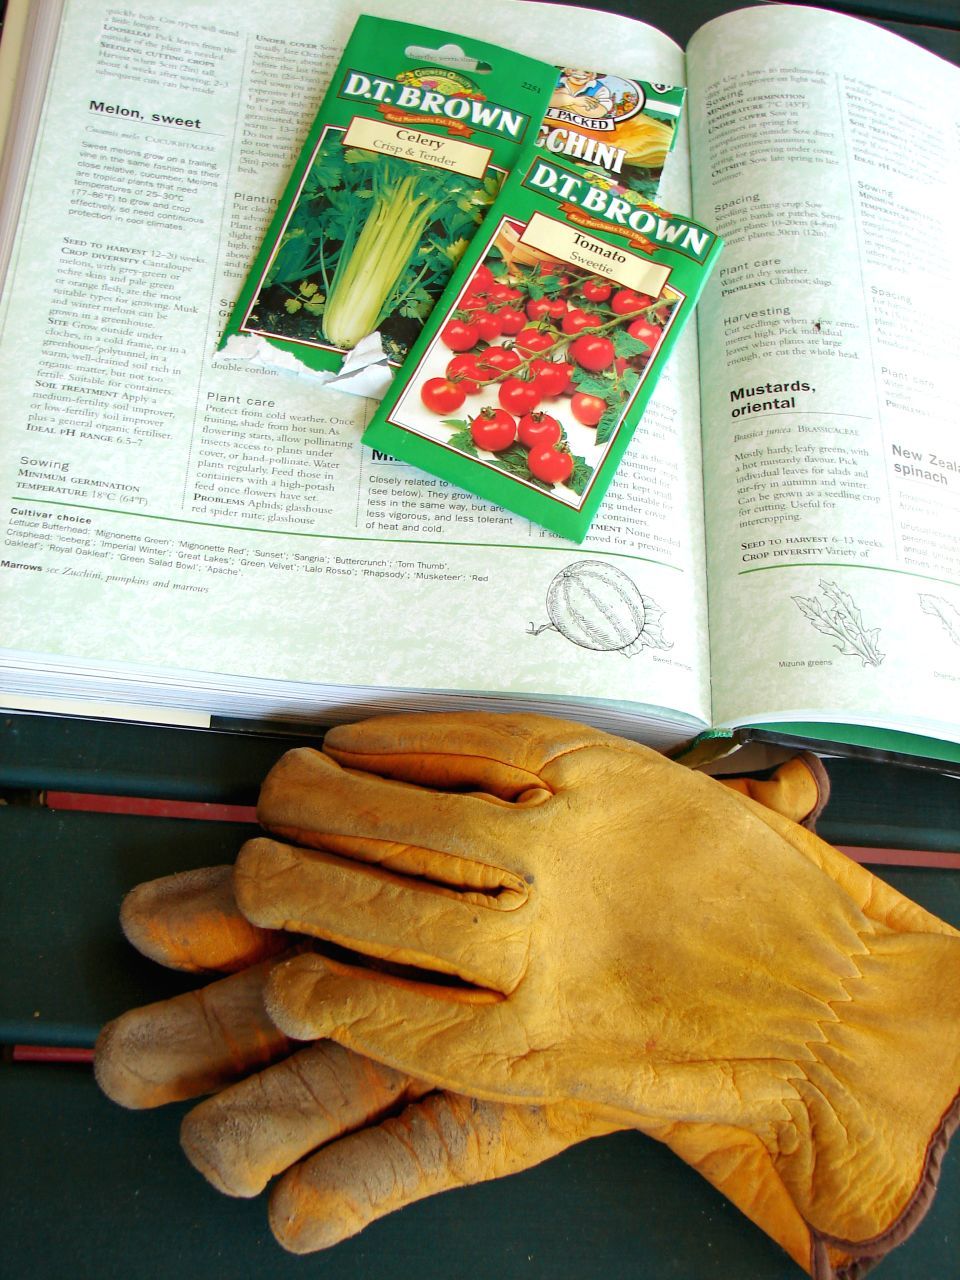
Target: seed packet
(532,373)
(615,128)
(408,151)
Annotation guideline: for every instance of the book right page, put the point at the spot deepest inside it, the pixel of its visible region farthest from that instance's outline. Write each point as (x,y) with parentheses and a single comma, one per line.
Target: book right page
(825,152)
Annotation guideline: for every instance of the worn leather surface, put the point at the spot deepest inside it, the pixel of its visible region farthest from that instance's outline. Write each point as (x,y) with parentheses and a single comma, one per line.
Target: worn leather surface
(789,1008)
(94,1190)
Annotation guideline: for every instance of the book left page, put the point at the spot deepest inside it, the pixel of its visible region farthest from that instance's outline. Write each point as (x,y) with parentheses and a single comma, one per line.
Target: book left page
(166,510)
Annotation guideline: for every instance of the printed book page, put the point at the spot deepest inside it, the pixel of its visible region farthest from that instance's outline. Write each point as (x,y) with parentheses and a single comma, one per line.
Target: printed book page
(168,512)
(825,151)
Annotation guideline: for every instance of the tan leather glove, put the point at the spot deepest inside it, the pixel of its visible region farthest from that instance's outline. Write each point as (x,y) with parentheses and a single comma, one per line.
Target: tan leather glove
(630,937)
(320,1098)
(250,1132)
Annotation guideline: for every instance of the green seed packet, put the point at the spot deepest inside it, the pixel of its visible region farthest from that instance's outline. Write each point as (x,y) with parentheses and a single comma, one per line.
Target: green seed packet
(613,127)
(528,380)
(408,151)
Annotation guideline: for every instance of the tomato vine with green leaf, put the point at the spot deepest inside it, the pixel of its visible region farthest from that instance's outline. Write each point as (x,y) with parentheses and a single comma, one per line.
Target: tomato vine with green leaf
(547,341)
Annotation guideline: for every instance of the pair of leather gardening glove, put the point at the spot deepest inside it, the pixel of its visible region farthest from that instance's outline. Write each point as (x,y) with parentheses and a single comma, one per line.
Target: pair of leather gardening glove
(500,935)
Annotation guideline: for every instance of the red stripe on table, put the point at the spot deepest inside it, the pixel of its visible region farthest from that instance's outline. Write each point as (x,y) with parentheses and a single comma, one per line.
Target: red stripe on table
(902,857)
(148,807)
(89,802)
(50,1053)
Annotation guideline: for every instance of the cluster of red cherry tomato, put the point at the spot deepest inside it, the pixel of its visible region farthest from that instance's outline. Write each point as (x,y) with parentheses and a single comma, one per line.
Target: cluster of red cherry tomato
(543,333)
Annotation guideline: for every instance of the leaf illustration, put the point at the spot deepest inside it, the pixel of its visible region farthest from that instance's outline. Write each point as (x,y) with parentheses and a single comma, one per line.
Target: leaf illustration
(652,637)
(947,613)
(843,621)
(815,613)
(846,610)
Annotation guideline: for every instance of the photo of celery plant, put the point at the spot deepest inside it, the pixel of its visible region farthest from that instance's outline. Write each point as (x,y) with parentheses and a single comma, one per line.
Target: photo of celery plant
(369,246)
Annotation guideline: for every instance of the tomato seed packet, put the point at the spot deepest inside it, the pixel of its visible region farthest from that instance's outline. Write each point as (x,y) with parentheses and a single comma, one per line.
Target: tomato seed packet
(407,153)
(528,380)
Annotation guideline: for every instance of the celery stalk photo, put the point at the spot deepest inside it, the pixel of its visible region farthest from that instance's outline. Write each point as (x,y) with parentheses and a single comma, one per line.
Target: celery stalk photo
(369,281)
(369,248)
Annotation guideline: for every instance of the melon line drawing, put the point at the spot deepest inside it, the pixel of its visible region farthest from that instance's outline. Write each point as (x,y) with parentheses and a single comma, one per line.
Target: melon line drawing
(597,606)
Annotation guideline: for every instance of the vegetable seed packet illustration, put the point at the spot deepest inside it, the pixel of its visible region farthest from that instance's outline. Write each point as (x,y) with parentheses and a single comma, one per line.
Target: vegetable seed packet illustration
(531,375)
(617,129)
(409,149)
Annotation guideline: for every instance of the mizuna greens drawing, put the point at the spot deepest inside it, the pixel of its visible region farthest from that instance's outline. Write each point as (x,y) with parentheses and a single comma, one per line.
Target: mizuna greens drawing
(837,615)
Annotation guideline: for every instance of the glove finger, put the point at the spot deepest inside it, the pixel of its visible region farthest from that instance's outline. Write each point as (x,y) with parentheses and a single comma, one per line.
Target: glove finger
(481,938)
(247,1134)
(443,1142)
(189,1045)
(877,900)
(798,789)
(191,922)
(442,1034)
(461,840)
(501,754)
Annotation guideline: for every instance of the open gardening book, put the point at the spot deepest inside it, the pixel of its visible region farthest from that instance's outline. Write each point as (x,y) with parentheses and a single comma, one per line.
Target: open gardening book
(187,535)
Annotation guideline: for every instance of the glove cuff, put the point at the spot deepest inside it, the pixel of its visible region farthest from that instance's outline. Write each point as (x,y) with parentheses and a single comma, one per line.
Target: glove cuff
(834,1259)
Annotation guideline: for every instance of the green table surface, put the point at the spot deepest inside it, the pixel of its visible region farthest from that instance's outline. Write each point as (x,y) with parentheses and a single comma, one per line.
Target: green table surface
(89,1190)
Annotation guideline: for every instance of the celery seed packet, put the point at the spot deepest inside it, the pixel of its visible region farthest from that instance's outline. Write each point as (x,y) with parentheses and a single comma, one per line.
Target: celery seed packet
(409,149)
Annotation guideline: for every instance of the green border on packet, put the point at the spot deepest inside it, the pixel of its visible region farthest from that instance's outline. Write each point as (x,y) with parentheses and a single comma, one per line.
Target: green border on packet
(403,160)
(558,237)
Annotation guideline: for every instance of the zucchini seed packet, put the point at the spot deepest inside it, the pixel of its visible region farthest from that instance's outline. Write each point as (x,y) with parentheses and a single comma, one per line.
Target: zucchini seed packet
(613,127)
